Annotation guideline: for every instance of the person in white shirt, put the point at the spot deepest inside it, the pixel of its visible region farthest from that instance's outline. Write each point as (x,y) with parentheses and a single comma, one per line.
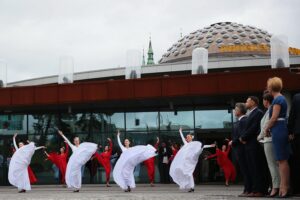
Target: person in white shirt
(266,140)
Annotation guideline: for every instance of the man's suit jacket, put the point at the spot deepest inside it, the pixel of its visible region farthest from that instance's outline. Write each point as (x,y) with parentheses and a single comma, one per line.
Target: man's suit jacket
(161,153)
(294,116)
(239,127)
(252,128)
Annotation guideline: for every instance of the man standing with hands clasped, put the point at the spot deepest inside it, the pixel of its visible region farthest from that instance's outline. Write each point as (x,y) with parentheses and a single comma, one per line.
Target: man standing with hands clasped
(253,151)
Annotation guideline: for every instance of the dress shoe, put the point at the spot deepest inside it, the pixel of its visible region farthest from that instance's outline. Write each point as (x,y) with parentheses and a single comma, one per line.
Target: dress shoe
(258,194)
(251,194)
(244,194)
(192,190)
(128,189)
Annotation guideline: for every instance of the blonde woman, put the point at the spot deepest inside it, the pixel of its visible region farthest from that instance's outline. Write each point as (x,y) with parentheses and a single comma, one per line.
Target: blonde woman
(277,128)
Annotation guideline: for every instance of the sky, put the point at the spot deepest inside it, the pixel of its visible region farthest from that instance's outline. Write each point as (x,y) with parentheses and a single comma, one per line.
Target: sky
(34,34)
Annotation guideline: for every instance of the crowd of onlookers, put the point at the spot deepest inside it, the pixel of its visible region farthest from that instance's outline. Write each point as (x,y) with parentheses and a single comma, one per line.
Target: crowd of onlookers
(266,144)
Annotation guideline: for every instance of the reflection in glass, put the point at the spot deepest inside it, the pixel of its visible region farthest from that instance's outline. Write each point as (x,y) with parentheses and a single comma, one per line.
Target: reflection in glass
(142,121)
(212,119)
(105,126)
(10,124)
(107,122)
(174,120)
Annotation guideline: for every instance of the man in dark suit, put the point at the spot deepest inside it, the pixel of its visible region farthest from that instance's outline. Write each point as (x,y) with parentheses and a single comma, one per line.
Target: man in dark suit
(239,148)
(294,131)
(164,154)
(254,152)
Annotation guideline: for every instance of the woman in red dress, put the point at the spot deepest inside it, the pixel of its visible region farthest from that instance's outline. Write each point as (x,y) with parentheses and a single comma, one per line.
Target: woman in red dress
(104,160)
(150,165)
(175,149)
(60,160)
(224,163)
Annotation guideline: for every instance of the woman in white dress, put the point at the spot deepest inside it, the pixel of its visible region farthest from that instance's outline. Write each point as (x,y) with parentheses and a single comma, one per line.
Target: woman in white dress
(129,159)
(185,161)
(18,166)
(81,154)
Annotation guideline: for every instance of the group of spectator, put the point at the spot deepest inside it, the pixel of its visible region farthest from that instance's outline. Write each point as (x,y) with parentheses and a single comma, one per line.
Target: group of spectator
(266,144)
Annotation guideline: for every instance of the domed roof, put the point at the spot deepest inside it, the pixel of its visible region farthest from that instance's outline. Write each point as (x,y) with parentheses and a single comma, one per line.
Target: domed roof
(215,37)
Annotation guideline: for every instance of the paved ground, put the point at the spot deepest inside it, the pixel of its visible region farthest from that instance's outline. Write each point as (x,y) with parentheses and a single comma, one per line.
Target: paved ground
(95,192)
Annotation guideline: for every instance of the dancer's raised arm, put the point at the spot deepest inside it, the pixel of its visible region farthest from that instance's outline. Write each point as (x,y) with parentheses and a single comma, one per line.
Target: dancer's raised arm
(209,146)
(14,141)
(182,137)
(67,149)
(73,147)
(120,143)
(41,147)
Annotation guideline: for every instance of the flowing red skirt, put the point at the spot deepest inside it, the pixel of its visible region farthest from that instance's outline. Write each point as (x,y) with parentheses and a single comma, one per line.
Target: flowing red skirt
(150,165)
(32,177)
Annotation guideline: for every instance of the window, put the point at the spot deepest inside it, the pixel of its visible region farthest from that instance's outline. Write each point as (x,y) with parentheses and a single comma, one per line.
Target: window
(142,121)
(10,124)
(107,122)
(42,124)
(213,119)
(174,120)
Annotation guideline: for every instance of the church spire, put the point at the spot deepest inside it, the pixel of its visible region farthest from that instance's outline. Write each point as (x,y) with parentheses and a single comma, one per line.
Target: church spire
(150,60)
(143,62)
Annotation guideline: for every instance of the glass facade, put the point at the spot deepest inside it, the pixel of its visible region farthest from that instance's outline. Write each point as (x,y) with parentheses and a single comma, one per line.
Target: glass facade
(213,119)
(139,127)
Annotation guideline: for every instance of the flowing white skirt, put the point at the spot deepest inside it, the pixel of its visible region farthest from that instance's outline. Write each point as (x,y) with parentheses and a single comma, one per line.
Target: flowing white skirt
(79,157)
(123,171)
(184,164)
(18,167)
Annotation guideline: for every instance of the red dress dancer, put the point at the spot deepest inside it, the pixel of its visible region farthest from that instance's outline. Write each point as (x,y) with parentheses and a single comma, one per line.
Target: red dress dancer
(225,163)
(60,160)
(104,160)
(174,152)
(150,165)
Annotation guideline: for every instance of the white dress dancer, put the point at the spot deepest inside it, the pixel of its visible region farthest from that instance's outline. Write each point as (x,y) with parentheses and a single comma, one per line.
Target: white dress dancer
(81,154)
(130,157)
(18,166)
(185,161)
